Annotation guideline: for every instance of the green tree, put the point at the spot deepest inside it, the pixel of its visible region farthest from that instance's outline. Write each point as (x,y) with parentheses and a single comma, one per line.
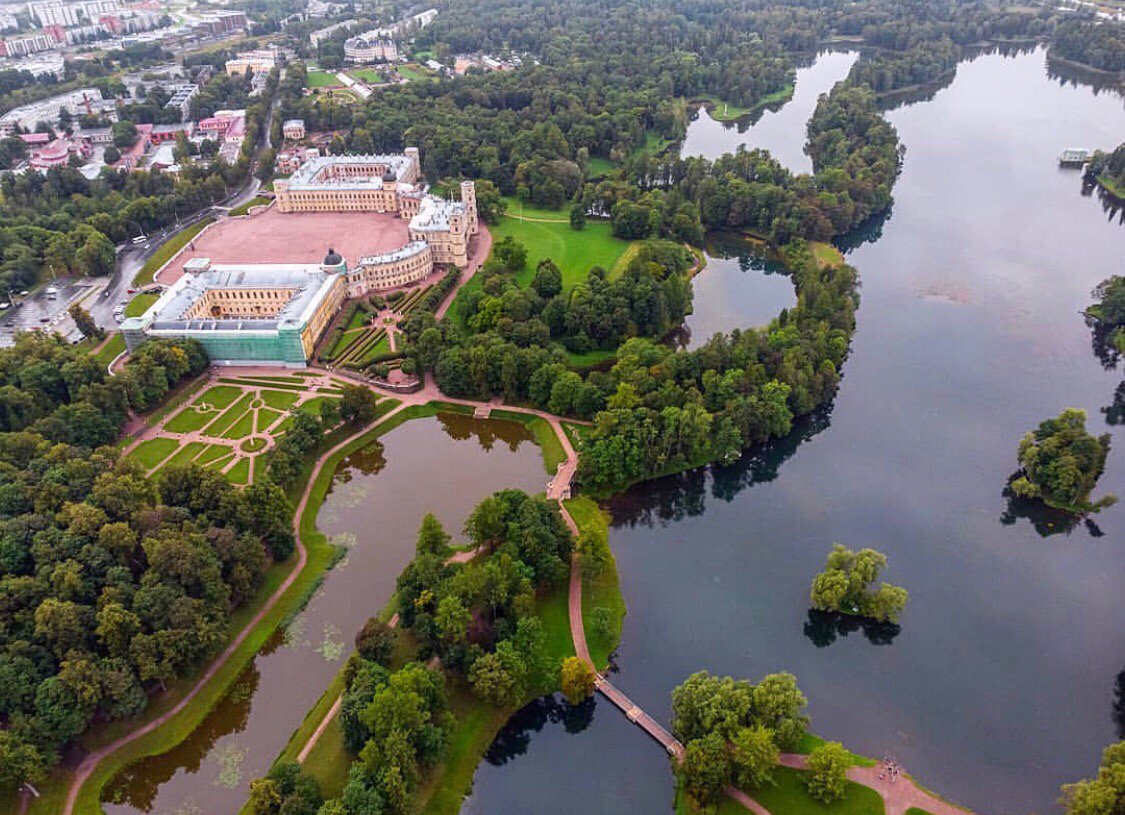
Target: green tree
(828,772)
(375,641)
(753,757)
(706,768)
(358,405)
(1101,795)
(578,680)
(578,217)
(85,322)
(432,537)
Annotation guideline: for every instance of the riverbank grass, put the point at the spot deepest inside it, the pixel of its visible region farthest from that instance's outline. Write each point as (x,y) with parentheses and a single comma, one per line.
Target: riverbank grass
(723,111)
(603,607)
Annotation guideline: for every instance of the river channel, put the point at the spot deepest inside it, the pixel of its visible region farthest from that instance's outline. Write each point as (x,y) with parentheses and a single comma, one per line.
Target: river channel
(999,685)
(443,465)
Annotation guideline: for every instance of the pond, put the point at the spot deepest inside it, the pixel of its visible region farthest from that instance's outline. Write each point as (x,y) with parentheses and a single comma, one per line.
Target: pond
(737,288)
(781,130)
(999,686)
(443,465)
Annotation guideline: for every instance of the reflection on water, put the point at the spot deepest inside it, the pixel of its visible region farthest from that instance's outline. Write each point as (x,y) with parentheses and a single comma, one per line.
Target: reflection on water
(737,288)
(379,494)
(825,627)
(779,129)
(515,736)
(675,497)
(1046,520)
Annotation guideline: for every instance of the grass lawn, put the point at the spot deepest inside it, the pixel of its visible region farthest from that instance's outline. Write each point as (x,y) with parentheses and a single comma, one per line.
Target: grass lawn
(414,73)
(242,209)
(725,112)
(213,453)
(140,304)
(152,452)
(603,591)
(239,473)
(315,404)
(222,461)
(219,396)
(228,417)
(329,761)
(190,419)
(166,250)
(296,386)
(369,75)
(186,454)
(599,166)
(252,445)
(515,208)
(588,359)
(110,350)
(278,400)
(242,428)
(826,254)
(1114,188)
(576,433)
(574,252)
(266,418)
(654,144)
(321,79)
(789,796)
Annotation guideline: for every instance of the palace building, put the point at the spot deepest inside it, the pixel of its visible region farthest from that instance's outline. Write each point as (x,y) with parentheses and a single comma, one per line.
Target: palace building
(386,183)
(274,313)
(247,314)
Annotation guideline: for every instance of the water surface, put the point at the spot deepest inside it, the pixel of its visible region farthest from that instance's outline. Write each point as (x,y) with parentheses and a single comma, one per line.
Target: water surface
(999,686)
(443,465)
(781,130)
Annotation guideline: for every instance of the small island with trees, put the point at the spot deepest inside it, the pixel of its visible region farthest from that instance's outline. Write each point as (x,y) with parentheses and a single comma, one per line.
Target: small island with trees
(846,586)
(1061,463)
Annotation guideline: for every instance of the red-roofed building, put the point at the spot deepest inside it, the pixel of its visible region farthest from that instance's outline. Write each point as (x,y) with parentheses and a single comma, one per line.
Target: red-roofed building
(36,138)
(57,152)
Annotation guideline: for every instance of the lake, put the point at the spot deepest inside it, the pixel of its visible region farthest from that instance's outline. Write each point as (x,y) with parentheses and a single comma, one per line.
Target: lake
(999,686)
(444,465)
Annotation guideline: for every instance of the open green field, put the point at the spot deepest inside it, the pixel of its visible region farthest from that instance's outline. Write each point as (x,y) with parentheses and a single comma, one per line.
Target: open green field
(167,250)
(321,79)
(414,73)
(369,75)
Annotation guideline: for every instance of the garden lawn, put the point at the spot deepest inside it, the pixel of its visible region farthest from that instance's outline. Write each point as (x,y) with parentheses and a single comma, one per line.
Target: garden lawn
(242,428)
(266,417)
(365,75)
(222,424)
(212,453)
(278,400)
(166,251)
(185,454)
(140,304)
(321,79)
(152,452)
(240,473)
(414,73)
(219,396)
(189,419)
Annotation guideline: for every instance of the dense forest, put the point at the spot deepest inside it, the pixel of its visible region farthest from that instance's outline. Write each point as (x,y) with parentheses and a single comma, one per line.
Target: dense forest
(1098,45)
(110,582)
